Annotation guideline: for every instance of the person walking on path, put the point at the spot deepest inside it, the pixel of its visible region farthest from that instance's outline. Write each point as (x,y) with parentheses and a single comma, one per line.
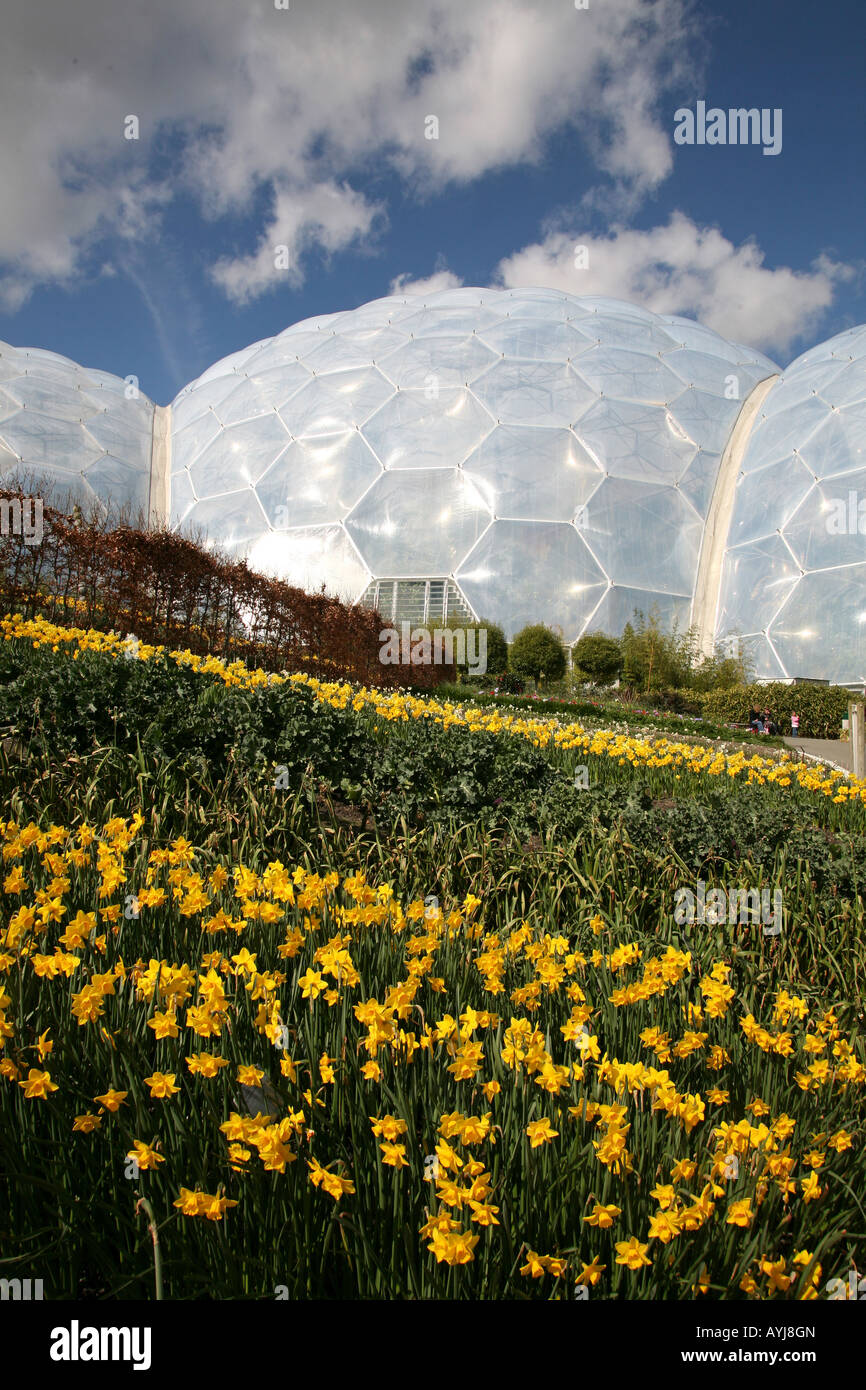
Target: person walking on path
(795,726)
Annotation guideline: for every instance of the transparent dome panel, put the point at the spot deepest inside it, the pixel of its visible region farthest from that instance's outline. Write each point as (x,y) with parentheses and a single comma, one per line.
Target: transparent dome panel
(239,456)
(111,432)
(200,399)
(633,334)
(626,375)
(706,419)
(710,373)
(536,340)
(643,442)
(756,581)
(522,569)
(337,401)
(621,605)
(528,472)
(643,536)
(829,528)
(821,631)
(699,480)
(58,400)
(424,429)
(417,521)
(353,350)
(317,481)
(838,445)
(182,497)
(766,500)
(262,393)
(431,363)
(849,387)
(120,487)
(229,523)
(533,393)
(780,434)
(312,558)
(41,440)
(193,439)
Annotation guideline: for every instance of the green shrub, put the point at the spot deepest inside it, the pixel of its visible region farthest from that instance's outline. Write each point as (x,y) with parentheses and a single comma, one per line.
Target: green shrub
(821,707)
(537,652)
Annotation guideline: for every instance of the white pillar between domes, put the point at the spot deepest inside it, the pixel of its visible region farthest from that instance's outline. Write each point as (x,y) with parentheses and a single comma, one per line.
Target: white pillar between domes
(705,603)
(160,468)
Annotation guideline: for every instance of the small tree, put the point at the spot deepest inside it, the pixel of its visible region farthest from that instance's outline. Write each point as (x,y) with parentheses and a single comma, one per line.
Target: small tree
(495,651)
(497,647)
(537,652)
(597,658)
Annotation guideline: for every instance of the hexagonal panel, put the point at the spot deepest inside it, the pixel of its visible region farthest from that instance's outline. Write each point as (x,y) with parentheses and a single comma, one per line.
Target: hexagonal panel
(628,375)
(838,444)
(59,400)
(442,320)
(233,522)
(41,440)
(536,340)
(417,522)
(529,472)
(261,393)
(645,537)
(193,439)
(336,401)
(777,436)
(758,579)
(849,387)
(635,332)
(343,351)
(705,418)
(644,442)
(829,527)
(182,497)
(767,499)
(822,627)
(428,363)
(521,570)
(533,393)
(112,432)
(621,605)
(238,456)
(708,372)
(316,481)
(427,429)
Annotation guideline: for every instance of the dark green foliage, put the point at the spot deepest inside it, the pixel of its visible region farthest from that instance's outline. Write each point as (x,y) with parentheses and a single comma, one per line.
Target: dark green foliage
(538,653)
(597,658)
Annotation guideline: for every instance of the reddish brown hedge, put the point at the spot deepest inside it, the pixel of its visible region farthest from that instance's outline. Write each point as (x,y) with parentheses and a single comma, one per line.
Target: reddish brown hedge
(172,591)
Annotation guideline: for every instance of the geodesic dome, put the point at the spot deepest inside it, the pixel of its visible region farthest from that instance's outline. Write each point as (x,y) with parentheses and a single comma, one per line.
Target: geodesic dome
(794,572)
(510,453)
(74,433)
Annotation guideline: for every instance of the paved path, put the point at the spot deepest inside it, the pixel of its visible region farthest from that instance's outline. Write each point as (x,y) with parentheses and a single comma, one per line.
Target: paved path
(829,750)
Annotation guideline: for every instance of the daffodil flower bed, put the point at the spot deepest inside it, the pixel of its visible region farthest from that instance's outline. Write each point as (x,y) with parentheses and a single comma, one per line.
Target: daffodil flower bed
(392,707)
(325,1084)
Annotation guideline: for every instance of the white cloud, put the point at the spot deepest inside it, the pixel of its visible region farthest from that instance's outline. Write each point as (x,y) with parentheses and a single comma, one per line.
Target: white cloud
(304,105)
(441,279)
(331,217)
(682,268)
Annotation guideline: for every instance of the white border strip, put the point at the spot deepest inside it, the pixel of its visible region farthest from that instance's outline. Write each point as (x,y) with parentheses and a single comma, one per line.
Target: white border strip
(708,582)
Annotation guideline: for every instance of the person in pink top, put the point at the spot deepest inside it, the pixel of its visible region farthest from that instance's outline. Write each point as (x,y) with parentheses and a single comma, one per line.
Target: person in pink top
(795,726)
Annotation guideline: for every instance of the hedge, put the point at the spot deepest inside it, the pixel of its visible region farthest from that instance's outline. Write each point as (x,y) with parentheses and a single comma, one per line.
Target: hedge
(821,707)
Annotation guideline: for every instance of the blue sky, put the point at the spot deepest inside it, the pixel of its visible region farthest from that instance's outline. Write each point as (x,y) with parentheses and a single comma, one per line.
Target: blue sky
(305,128)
